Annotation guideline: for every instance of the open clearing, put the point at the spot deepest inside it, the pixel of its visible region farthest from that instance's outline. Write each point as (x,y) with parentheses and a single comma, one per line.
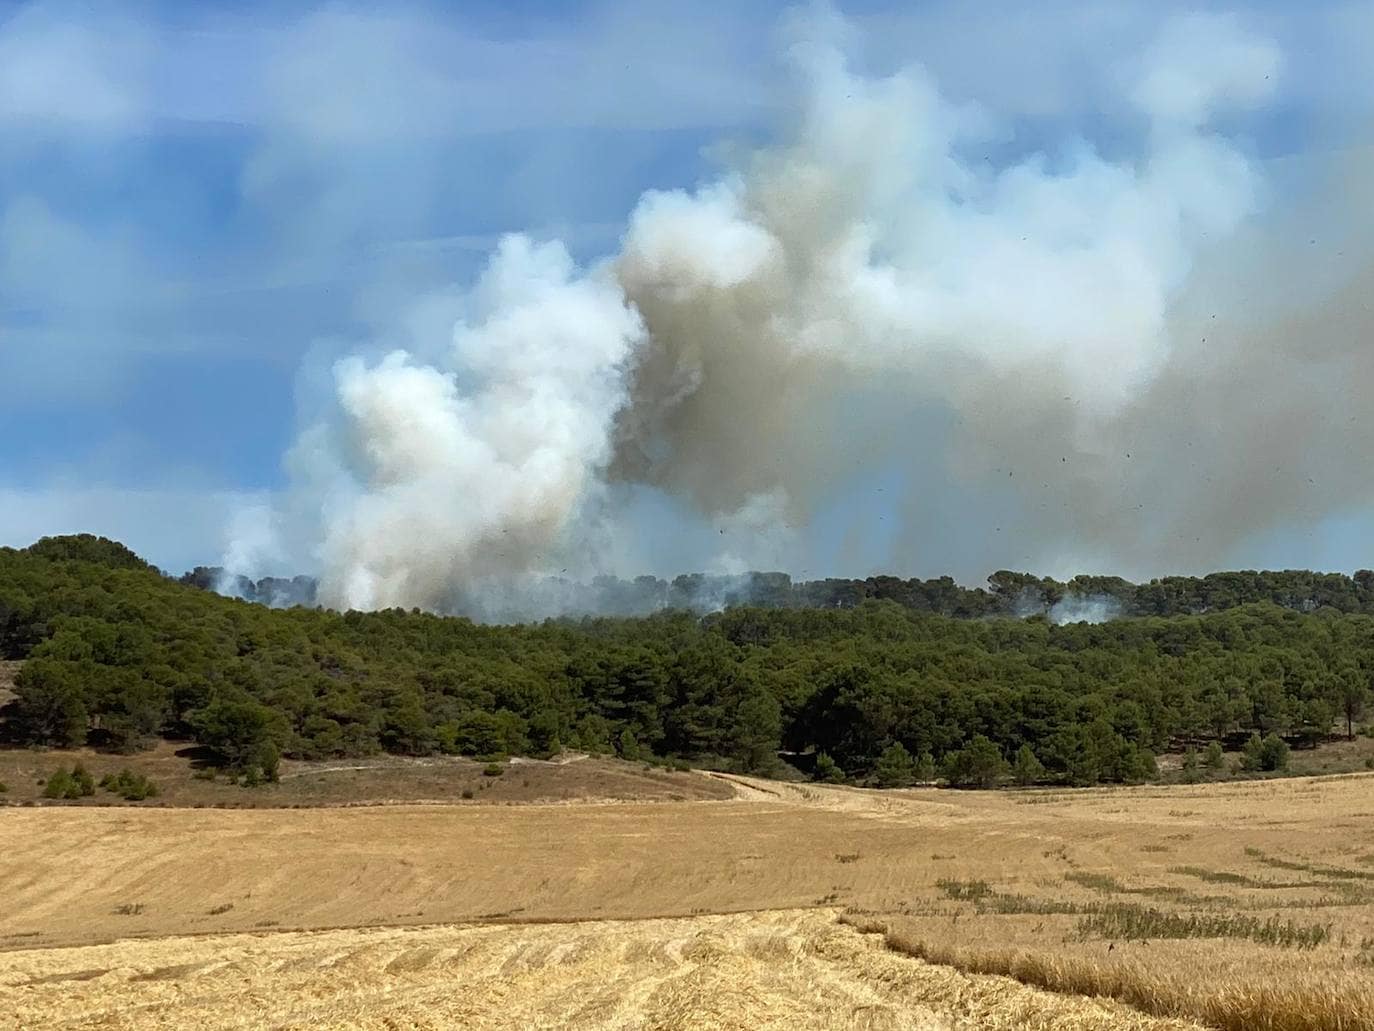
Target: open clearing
(700,913)
(383,780)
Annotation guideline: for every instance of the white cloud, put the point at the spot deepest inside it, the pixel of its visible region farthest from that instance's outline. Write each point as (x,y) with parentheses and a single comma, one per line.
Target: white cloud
(55,68)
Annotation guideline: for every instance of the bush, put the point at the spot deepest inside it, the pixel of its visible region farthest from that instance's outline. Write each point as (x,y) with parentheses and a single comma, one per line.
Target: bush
(1274,754)
(628,745)
(493,770)
(1214,758)
(130,786)
(1268,755)
(1190,772)
(1138,765)
(76,783)
(1026,768)
(828,771)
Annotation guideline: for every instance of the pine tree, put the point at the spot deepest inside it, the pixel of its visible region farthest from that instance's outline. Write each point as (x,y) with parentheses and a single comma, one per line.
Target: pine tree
(828,771)
(1026,769)
(895,768)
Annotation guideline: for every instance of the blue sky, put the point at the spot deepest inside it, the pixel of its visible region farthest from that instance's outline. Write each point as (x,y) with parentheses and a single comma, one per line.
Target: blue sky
(197,201)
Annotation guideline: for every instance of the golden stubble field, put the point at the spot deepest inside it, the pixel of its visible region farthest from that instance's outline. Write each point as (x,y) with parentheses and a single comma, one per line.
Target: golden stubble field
(1237,905)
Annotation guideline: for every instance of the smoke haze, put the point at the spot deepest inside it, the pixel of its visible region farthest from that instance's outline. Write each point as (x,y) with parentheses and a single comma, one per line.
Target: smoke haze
(1137,353)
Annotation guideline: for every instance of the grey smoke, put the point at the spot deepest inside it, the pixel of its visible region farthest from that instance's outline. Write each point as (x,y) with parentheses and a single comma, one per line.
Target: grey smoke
(1150,363)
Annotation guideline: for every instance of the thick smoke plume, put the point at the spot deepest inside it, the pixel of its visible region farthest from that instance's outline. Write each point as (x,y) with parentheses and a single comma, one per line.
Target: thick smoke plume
(1103,337)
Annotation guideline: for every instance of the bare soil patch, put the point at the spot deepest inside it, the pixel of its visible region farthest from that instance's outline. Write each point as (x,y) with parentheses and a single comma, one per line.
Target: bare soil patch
(385,780)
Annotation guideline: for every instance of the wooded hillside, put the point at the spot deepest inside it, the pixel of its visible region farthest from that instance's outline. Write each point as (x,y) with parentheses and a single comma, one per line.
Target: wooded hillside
(118,654)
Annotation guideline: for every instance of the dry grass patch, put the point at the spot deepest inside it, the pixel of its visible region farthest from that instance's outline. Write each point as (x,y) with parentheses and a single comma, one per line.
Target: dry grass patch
(778,970)
(1240,1004)
(1064,895)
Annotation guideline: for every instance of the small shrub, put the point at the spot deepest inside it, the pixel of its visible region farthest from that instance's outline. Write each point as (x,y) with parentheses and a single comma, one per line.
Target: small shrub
(1268,755)
(493,770)
(1274,754)
(130,786)
(1214,758)
(1026,768)
(1190,771)
(828,770)
(628,745)
(222,909)
(62,785)
(964,891)
(3,787)
(129,909)
(467,793)
(208,773)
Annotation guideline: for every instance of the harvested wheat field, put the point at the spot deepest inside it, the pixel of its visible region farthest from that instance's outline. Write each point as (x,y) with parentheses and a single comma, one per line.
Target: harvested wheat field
(1238,906)
(785,969)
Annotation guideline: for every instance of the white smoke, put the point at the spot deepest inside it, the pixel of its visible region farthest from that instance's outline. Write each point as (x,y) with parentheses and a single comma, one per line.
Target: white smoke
(717,355)
(254,547)
(476,464)
(1084,608)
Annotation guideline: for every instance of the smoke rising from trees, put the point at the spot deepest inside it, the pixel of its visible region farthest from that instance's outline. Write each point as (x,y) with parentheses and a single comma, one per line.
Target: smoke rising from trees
(1131,347)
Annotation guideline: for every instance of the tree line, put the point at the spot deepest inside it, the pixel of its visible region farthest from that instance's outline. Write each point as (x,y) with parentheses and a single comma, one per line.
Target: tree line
(1007,593)
(119,655)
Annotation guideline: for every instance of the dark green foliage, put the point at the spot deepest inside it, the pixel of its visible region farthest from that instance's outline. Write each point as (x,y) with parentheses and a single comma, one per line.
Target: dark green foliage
(70,784)
(1026,769)
(628,745)
(895,769)
(828,771)
(1273,754)
(977,765)
(119,655)
(87,547)
(50,707)
(241,733)
(130,786)
(1268,754)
